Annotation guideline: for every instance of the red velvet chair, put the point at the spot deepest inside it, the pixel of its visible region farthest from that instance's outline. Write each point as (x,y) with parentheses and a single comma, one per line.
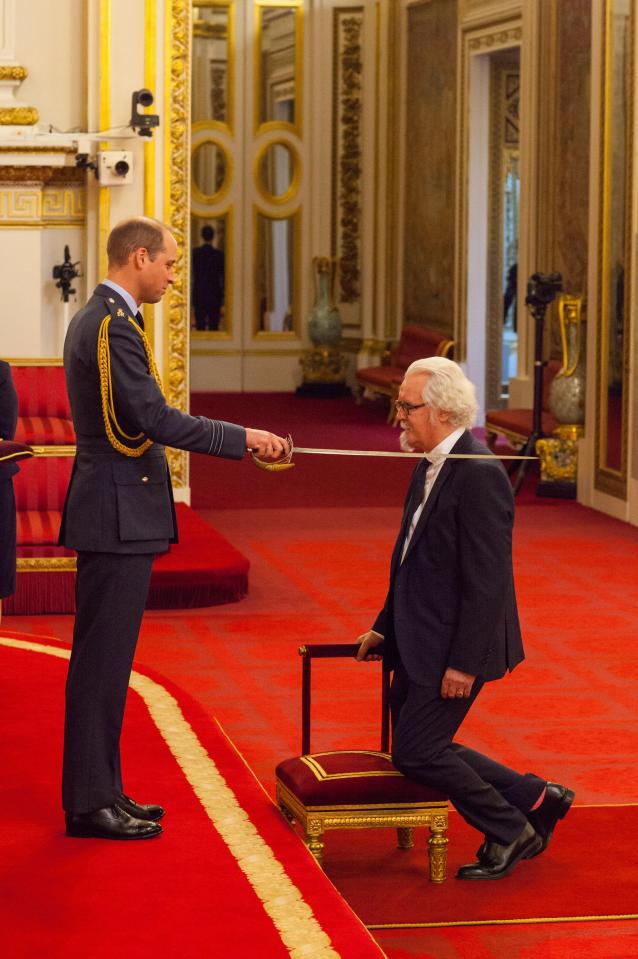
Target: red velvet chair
(415,343)
(357,789)
(516,424)
(44,414)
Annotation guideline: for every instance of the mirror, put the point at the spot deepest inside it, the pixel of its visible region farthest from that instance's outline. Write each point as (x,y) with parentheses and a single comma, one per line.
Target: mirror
(276,171)
(209,280)
(210,81)
(277,65)
(274,269)
(208,170)
(615,280)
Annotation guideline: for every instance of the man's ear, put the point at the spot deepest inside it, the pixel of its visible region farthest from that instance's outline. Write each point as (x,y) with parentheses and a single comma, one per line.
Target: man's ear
(139,257)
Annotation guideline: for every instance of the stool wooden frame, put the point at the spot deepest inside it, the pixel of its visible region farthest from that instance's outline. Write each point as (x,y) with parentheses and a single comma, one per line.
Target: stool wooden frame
(315,820)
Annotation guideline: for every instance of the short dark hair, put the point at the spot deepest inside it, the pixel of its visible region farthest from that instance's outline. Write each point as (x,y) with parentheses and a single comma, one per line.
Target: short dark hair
(132,234)
(207,234)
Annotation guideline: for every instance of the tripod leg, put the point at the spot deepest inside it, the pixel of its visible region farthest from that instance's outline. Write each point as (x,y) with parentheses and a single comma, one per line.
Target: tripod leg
(528,450)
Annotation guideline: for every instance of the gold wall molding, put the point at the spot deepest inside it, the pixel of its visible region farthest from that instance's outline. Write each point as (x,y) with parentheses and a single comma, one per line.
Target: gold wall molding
(18,116)
(176,215)
(39,149)
(26,174)
(13,73)
(347,159)
(501,38)
(473,42)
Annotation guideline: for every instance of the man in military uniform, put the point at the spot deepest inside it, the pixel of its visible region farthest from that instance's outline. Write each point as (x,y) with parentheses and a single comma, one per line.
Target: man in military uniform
(119,513)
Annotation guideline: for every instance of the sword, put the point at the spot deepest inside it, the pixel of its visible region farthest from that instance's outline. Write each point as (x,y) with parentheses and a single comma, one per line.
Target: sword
(286,462)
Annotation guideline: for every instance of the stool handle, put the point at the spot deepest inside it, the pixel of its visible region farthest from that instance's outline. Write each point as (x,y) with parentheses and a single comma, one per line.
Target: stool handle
(337,651)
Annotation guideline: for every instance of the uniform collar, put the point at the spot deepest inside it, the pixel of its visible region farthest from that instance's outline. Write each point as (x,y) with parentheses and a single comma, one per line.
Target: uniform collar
(126,296)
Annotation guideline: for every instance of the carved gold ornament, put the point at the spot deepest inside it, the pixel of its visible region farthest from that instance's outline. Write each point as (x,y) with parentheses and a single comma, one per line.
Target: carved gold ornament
(18,116)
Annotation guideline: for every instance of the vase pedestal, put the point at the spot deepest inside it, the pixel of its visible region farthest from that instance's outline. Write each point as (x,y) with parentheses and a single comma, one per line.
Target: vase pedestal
(558,455)
(324,373)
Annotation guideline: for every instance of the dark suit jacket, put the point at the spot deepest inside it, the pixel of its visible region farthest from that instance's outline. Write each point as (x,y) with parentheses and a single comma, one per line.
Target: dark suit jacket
(208,275)
(451,603)
(8,414)
(116,503)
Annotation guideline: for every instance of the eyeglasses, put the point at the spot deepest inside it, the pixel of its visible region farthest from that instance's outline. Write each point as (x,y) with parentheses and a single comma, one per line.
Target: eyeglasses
(407,408)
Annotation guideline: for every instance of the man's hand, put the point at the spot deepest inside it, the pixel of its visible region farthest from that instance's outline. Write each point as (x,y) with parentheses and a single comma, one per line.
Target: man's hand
(368,642)
(265,445)
(456,685)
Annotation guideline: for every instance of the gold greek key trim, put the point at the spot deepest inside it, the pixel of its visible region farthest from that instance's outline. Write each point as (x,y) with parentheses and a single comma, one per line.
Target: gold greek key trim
(283,902)
(64,203)
(20,206)
(177,38)
(46,564)
(18,116)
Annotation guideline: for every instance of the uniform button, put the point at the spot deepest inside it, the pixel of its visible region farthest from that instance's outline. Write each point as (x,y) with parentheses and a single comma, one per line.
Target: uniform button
(145,479)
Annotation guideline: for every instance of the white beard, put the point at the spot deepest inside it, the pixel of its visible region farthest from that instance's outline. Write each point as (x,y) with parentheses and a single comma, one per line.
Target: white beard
(403,443)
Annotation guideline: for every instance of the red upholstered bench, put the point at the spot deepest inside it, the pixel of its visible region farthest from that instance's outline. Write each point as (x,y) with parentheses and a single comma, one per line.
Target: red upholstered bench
(516,424)
(415,343)
(44,414)
(357,789)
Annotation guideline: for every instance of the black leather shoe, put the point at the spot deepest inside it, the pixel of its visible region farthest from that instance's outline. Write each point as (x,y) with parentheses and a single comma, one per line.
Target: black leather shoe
(555,805)
(111,822)
(149,811)
(496,861)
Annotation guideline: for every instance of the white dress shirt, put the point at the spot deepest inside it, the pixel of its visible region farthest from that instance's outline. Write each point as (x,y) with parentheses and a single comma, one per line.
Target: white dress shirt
(437,459)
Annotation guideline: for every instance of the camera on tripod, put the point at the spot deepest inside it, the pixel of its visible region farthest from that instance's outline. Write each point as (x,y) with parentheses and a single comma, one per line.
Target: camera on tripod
(65,273)
(542,289)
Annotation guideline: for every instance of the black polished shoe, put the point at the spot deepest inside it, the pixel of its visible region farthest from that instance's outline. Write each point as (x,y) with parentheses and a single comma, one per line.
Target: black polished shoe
(555,805)
(497,861)
(111,822)
(148,811)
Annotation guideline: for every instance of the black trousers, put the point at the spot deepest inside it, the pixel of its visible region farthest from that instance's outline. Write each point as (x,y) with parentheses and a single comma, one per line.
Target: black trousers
(111,591)
(489,796)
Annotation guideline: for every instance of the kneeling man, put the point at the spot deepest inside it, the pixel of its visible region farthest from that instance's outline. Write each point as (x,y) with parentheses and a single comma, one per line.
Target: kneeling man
(450,622)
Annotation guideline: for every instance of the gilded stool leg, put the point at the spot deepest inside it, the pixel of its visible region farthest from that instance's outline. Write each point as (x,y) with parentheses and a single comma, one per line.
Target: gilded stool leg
(286,813)
(314,839)
(405,838)
(437,847)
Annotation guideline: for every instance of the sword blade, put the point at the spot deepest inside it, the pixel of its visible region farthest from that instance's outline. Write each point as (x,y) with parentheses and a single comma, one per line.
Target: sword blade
(397,454)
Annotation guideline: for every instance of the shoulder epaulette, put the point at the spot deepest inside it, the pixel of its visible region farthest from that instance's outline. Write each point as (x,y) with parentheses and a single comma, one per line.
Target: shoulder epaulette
(111,424)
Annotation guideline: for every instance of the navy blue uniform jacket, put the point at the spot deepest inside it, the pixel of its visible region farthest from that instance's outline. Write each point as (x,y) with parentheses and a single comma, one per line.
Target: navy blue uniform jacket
(451,603)
(116,503)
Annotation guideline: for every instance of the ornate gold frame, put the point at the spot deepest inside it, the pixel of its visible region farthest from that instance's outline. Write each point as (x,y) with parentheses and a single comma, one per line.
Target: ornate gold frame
(295,216)
(270,125)
(229,5)
(286,197)
(209,199)
(607,479)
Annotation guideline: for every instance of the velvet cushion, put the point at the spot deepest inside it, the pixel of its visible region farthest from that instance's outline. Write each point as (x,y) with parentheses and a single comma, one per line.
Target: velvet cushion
(350,777)
(45,430)
(41,391)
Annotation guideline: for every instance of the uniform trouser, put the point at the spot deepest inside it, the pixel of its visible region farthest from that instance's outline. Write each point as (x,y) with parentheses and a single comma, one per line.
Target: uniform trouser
(110,591)
(489,796)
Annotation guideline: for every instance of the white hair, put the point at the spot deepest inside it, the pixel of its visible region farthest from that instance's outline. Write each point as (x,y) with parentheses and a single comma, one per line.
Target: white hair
(447,389)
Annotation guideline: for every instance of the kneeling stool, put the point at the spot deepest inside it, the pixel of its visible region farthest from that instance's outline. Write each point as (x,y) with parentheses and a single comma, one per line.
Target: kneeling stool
(354,788)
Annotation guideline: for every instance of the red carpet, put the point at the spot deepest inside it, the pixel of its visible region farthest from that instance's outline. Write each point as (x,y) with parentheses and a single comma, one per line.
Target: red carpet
(388,886)
(180,895)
